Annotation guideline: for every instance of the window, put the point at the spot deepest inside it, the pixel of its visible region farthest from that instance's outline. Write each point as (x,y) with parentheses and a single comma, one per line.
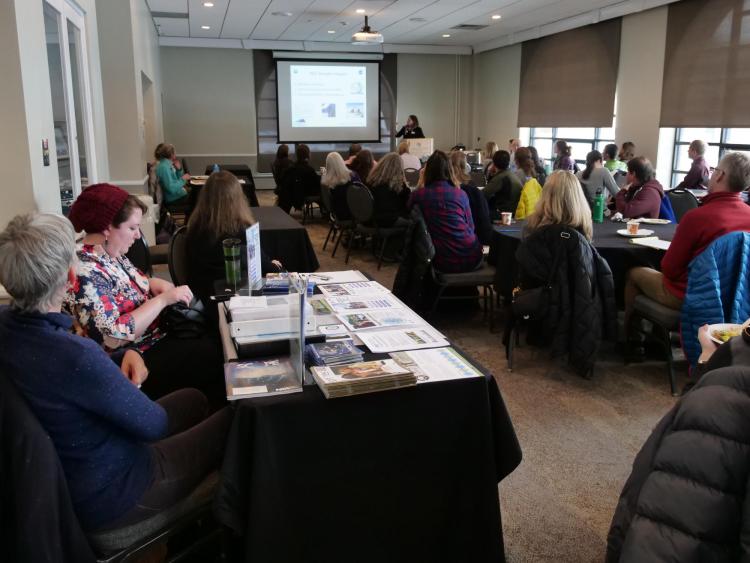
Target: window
(582,140)
(719,140)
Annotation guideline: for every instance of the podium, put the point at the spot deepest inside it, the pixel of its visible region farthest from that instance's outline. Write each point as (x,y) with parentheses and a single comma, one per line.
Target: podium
(421,148)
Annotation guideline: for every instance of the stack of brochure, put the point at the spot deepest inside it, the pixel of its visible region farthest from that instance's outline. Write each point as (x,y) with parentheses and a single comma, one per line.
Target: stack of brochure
(361,377)
(276,283)
(333,353)
(272,376)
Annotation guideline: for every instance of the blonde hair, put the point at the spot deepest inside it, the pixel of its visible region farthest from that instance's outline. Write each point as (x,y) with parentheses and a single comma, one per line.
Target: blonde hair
(490,148)
(699,147)
(388,172)
(222,207)
(403,147)
(562,203)
(336,171)
(457,161)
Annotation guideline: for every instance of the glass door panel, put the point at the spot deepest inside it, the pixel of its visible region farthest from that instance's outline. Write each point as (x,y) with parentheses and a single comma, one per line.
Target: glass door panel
(76,79)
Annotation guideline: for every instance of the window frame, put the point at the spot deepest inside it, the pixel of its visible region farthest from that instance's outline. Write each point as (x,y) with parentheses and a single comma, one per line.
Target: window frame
(723,146)
(595,142)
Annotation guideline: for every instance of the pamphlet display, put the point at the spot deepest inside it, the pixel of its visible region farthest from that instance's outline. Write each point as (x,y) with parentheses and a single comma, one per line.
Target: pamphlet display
(437,364)
(361,377)
(397,340)
(254,273)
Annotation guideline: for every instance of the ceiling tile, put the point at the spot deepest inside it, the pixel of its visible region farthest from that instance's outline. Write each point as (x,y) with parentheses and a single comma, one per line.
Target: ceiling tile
(242,17)
(212,17)
(172,27)
(173,6)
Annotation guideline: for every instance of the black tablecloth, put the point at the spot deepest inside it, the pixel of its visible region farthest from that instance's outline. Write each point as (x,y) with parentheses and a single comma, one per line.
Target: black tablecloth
(284,238)
(618,251)
(401,476)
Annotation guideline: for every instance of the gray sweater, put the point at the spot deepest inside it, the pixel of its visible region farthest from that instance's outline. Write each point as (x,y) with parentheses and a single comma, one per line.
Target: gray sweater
(600,179)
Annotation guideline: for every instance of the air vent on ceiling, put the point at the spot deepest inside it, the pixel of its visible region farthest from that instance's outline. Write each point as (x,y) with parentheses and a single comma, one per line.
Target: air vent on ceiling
(468,27)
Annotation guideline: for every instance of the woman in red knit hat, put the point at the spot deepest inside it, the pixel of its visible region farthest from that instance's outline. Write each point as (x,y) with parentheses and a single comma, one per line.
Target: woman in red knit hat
(117,305)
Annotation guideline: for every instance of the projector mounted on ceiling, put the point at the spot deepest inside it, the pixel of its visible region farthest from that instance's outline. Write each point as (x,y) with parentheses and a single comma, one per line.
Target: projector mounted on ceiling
(366,36)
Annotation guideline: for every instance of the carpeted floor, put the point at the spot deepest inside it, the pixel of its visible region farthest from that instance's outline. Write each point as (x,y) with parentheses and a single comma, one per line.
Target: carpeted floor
(578,437)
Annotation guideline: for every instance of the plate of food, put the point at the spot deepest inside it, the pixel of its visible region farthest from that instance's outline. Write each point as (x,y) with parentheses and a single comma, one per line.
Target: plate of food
(640,233)
(723,332)
(199,177)
(650,221)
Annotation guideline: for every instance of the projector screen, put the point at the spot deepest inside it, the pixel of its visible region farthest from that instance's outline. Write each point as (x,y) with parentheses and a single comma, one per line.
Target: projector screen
(325,101)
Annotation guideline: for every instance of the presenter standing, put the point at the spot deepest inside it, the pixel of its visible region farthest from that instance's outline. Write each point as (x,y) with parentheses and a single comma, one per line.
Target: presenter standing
(411,130)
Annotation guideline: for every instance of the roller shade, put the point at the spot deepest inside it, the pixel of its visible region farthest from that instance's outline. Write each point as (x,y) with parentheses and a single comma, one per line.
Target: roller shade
(569,79)
(707,64)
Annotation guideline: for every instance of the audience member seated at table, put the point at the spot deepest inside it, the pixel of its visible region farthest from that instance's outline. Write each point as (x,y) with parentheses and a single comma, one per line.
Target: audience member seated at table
(280,166)
(583,289)
(611,162)
(541,172)
(362,165)
(504,188)
(595,178)
(697,177)
(408,160)
(480,211)
(117,305)
(337,178)
(125,457)
(389,192)
(531,190)
(563,160)
(641,196)
(170,177)
(627,152)
(722,212)
(354,149)
(513,145)
(411,130)
(300,181)
(447,213)
(222,213)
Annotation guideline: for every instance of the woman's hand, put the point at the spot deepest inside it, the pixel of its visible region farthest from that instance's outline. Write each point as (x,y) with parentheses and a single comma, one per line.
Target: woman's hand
(279,265)
(177,163)
(708,346)
(186,177)
(176,294)
(159,286)
(134,368)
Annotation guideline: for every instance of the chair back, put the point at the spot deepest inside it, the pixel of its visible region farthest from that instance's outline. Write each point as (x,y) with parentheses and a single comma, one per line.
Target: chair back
(325,200)
(620,178)
(140,255)
(177,256)
(154,186)
(477,178)
(682,201)
(412,176)
(360,202)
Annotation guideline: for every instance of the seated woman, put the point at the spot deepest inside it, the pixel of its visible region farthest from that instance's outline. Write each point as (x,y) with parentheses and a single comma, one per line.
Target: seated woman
(280,166)
(389,192)
(222,213)
(125,457)
(480,211)
(563,160)
(170,176)
(532,189)
(490,148)
(595,178)
(118,306)
(447,213)
(337,178)
(300,181)
(642,195)
(362,165)
(541,173)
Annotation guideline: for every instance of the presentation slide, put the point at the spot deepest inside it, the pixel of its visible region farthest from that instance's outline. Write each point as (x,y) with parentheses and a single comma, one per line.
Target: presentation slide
(323,101)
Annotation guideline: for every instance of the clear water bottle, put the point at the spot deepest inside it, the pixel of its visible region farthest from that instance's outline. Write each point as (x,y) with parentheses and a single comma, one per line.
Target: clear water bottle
(215,168)
(598,210)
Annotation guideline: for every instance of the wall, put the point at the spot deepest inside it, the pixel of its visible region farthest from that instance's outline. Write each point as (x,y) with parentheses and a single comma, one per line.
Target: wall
(639,84)
(497,80)
(209,101)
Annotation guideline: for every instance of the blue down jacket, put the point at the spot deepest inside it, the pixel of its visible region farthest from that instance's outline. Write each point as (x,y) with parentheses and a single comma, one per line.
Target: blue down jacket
(717,290)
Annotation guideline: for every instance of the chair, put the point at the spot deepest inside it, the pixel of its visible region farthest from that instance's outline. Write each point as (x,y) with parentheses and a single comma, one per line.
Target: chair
(412,177)
(361,204)
(177,257)
(666,321)
(308,209)
(144,256)
(620,178)
(47,517)
(484,277)
(477,178)
(336,227)
(682,201)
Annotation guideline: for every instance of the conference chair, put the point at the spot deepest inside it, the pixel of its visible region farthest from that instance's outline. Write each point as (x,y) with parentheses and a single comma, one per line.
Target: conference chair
(412,177)
(337,227)
(682,201)
(39,521)
(144,256)
(177,257)
(361,204)
(477,178)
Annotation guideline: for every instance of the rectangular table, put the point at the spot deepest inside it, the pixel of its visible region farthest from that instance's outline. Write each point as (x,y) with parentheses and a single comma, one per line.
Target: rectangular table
(283,237)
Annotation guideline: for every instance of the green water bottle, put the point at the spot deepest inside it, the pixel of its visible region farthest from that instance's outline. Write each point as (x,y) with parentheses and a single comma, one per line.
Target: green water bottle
(598,211)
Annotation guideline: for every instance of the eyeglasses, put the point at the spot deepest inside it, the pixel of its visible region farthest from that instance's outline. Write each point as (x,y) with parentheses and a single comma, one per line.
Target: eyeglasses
(715,169)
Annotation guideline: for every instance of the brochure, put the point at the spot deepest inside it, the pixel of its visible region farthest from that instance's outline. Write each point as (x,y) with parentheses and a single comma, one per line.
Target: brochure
(376,319)
(272,376)
(353,289)
(350,303)
(397,340)
(437,364)
(345,276)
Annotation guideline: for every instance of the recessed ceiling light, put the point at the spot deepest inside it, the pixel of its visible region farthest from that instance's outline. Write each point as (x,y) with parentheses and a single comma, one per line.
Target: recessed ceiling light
(283,14)
(446,34)
(208,4)
(331,31)
(496,17)
(361,11)
(205,27)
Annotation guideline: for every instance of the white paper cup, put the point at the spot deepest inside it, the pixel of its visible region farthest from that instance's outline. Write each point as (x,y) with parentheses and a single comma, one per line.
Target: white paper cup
(633,227)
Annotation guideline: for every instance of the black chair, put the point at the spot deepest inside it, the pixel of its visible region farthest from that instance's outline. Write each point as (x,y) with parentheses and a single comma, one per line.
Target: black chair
(483,277)
(477,178)
(144,256)
(361,204)
(682,201)
(620,178)
(412,177)
(308,208)
(337,227)
(177,257)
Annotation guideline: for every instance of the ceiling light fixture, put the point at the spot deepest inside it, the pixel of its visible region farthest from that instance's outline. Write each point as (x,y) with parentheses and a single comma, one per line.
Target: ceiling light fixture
(205,27)
(208,4)
(496,17)
(446,34)
(331,31)
(282,14)
(360,11)
(366,36)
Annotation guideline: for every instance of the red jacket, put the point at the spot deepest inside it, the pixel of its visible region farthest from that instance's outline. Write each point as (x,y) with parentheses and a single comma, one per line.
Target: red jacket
(720,213)
(640,201)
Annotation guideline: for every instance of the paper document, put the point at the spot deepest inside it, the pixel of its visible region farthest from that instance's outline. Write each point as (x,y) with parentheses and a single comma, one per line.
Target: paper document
(353,289)
(346,276)
(651,242)
(351,303)
(376,319)
(437,364)
(402,339)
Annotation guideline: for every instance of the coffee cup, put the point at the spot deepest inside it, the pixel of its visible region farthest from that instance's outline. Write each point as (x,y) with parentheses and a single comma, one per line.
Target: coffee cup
(633,227)
(506,217)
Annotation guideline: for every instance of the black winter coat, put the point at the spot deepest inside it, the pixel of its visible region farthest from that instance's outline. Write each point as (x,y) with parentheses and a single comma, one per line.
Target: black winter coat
(409,283)
(687,497)
(582,302)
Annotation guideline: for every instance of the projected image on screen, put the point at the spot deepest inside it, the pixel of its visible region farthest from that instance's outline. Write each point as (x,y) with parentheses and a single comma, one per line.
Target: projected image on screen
(328,96)
(328,101)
